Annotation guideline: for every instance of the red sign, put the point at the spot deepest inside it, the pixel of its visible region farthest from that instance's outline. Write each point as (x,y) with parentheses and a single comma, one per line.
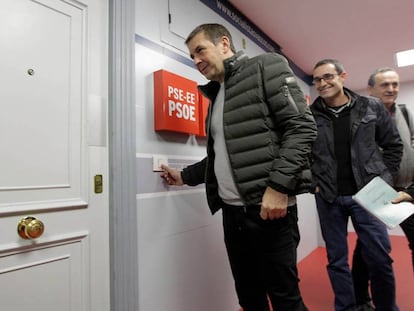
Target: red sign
(203,103)
(176,105)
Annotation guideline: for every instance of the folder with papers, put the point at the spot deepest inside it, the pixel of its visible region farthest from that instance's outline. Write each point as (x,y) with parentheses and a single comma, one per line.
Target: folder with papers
(376,198)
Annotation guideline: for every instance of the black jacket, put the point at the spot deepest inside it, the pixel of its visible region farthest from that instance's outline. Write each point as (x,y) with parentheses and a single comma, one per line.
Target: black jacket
(268,130)
(376,147)
(410,190)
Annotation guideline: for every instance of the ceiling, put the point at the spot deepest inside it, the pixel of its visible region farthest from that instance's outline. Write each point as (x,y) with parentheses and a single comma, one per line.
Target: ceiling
(362,34)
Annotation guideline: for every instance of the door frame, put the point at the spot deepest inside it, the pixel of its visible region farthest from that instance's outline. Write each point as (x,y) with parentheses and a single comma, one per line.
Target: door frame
(122,160)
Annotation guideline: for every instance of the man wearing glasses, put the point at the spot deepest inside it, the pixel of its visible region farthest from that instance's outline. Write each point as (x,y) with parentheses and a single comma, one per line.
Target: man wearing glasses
(356,141)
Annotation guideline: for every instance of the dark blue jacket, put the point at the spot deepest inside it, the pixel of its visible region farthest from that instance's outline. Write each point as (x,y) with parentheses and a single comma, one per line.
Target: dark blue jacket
(376,147)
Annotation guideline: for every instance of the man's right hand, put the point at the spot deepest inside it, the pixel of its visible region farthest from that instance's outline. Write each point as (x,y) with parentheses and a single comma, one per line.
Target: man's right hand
(171,176)
(402,197)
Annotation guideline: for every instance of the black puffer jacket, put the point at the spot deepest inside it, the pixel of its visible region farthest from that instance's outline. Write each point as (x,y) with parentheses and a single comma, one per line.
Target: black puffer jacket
(268,130)
(376,147)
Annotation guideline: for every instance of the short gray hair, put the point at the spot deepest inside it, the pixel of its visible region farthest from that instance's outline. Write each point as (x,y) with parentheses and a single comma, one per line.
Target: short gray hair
(371,79)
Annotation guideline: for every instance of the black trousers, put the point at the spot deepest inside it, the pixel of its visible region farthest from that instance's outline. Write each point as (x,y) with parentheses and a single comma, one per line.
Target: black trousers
(408,227)
(360,269)
(262,255)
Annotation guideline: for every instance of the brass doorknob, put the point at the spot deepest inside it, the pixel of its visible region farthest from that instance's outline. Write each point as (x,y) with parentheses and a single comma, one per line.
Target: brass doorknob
(30,228)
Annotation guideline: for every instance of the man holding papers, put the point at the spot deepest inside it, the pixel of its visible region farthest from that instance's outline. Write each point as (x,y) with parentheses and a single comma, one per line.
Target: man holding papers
(357,141)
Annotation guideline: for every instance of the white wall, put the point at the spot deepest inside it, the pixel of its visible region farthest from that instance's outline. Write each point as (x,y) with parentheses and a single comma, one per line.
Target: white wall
(182,259)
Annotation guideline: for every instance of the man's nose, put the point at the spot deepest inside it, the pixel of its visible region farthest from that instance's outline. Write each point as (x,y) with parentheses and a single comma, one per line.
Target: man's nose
(390,88)
(322,83)
(196,60)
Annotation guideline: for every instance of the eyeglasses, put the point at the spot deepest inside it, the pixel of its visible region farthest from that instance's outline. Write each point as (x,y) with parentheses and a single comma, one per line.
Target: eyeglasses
(326,77)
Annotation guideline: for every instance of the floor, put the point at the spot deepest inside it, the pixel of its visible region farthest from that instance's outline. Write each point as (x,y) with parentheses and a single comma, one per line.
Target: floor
(316,289)
(315,285)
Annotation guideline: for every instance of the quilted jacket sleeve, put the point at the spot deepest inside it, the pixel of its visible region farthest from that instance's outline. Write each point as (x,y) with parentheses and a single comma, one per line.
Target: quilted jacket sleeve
(293,120)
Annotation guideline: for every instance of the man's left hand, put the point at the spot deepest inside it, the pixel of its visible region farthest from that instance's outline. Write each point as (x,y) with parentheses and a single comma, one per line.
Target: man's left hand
(274,204)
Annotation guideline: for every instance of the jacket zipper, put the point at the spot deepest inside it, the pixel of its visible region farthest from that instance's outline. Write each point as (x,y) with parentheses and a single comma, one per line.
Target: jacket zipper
(288,95)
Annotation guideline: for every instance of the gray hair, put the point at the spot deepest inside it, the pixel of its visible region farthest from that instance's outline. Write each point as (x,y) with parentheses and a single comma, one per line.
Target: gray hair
(371,79)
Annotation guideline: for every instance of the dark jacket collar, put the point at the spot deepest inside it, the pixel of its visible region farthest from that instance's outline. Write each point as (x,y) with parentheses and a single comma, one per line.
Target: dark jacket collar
(319,105)
(231,65)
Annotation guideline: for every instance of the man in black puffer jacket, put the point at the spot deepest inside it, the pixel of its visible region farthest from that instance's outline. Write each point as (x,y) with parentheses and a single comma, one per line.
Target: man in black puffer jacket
(259,137)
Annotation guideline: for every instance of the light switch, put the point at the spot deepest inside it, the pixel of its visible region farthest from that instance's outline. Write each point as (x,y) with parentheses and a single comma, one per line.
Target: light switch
(157,161)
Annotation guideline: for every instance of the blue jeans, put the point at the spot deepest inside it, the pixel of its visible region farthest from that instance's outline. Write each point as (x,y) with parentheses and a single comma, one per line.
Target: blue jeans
(375,249)
(360,269)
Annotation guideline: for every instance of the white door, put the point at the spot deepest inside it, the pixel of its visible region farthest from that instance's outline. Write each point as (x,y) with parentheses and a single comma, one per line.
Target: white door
(53,93)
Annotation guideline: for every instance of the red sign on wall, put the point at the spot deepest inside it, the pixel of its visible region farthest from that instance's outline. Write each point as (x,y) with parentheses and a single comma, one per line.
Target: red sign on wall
(203,104)
(176,106)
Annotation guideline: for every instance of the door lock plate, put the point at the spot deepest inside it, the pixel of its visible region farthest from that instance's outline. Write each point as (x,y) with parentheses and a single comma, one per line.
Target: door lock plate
(98,184)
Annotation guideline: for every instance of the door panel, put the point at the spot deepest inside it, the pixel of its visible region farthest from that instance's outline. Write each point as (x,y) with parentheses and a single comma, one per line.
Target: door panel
(41,129)
(50,272)
(48,75)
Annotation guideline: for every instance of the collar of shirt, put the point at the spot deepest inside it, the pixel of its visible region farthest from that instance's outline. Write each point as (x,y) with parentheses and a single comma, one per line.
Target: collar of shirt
(337,110)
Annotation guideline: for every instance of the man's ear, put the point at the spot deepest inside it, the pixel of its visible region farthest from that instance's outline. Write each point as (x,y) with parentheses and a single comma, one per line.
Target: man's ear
(225,41)
(369,90)
(342,76)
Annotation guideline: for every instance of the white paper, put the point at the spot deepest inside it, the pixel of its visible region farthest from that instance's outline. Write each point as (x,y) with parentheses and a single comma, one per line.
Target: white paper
(376,198)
